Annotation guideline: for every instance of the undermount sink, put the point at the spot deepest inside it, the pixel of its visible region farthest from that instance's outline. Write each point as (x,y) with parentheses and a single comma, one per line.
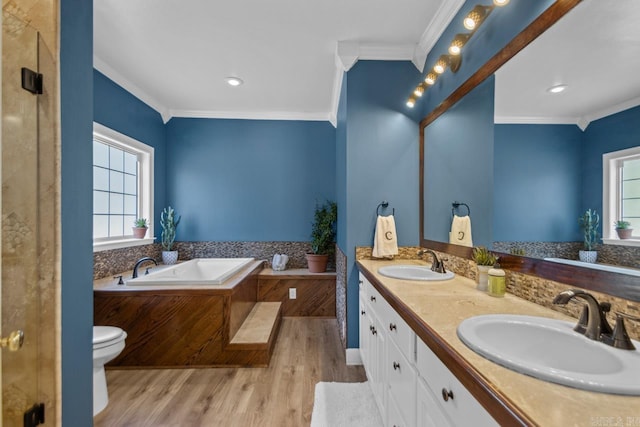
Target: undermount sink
(414,272)
(551,350)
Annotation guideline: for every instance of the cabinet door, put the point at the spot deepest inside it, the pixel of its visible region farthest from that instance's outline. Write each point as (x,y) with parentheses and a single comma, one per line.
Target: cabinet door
(401,376)
(429,413)
(365,333)
(394,416)
(378,358)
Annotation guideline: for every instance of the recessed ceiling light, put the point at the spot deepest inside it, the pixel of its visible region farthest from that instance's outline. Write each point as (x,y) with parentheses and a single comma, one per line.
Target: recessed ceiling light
(557,88)
(234,81)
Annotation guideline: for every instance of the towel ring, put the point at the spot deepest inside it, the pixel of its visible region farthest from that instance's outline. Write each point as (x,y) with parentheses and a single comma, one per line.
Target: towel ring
(384,205)
(456,205)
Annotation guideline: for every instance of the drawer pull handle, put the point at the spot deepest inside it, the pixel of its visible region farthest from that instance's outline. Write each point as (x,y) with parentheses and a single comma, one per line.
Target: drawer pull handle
(392,327)
(396,366)
(447,394)
(360,281)
(371,327)
(373,298)
(373,331)
(362,312)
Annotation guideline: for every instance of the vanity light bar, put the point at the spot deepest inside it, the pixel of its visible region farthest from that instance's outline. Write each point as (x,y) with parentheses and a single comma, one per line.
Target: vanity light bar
(453,60)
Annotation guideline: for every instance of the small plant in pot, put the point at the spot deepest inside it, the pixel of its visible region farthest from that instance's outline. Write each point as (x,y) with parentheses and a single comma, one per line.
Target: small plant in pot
(485,261)
(323,236)
(140,227)
(169,224)
(623,228)
(589,223)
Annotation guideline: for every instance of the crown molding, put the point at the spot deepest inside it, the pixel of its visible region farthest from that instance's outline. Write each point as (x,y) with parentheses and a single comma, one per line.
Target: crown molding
(348,53)
(251,115)
(441,20)
(131,87)
(535,120)
(613,109)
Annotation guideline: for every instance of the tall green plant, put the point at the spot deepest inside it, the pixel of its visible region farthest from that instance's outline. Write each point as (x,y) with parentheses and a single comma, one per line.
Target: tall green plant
(323,231)
(589,223)
(169,224)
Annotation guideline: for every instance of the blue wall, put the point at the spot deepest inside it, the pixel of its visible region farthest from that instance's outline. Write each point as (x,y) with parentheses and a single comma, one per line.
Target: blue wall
(119,110)
(341,167)
(459,148)
(613,133)
(248,180)
(382,159)
(76,113)
(537,177)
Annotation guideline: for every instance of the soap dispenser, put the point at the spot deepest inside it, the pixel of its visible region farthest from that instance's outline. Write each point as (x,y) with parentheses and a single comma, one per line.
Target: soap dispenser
(497,282)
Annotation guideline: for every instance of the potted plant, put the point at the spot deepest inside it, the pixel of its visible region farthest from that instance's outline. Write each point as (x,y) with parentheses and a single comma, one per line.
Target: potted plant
(169,223)
(323,236)
(623,228)
(485,261)
(139,228)
(589,222)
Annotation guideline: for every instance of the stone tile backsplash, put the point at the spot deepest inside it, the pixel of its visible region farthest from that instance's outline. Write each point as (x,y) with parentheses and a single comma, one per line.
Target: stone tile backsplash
(108,263)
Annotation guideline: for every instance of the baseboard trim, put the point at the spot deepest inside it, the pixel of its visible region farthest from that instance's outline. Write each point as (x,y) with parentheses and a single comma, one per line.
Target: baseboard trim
(353,356)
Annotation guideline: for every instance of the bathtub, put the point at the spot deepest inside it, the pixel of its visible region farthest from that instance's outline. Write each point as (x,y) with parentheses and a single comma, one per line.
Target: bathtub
(199,271)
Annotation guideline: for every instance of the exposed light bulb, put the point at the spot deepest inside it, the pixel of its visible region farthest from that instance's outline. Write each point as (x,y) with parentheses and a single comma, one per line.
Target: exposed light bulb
(457,43)
(441,65)
(473,20)
(430,79)
(419,91)
(411,102)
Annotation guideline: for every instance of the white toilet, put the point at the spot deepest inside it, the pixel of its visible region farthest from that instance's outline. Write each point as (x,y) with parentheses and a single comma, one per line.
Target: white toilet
(108,342)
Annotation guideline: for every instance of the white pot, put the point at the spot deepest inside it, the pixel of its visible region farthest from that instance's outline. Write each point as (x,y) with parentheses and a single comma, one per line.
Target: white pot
(483,277)
(588,256)
(169,257)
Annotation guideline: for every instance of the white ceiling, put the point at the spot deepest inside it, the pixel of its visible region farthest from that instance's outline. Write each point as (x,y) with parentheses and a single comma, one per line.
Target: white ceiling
(594,49)
(175,55)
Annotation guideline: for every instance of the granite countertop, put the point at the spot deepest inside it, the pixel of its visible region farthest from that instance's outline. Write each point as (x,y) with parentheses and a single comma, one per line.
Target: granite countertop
(443,305)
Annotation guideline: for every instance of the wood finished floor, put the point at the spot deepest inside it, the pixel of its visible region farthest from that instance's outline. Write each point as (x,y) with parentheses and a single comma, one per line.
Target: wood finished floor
(307,351)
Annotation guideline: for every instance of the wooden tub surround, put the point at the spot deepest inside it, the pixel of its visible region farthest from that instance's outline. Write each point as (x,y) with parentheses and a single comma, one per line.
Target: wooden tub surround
(180,326)
(434,310)
(316,292)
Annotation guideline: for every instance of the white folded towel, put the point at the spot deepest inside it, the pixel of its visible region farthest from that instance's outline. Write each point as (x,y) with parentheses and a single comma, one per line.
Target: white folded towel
(461,231)
(385,242)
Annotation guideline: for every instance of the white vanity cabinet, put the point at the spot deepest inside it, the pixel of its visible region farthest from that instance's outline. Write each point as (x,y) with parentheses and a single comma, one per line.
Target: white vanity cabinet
(387,347)
(443,400)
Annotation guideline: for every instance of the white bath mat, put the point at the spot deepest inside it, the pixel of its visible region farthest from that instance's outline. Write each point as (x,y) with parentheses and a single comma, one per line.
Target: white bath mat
(344,404)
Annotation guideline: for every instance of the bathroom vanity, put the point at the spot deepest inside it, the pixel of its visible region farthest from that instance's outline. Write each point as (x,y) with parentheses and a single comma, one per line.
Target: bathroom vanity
(422,374)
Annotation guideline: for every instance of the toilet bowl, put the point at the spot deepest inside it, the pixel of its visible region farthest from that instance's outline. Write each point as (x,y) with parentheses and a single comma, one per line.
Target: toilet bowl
(108,342)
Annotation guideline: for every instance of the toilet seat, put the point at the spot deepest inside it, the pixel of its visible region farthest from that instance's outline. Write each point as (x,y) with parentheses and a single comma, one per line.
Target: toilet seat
(105,336)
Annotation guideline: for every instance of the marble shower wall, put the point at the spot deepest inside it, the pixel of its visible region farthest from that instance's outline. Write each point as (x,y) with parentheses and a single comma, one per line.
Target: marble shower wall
(30,209)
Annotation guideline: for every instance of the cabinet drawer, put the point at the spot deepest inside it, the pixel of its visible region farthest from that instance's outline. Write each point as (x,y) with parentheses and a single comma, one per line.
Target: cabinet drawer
(460,406)
(400,333)
(394,417)
(401,376)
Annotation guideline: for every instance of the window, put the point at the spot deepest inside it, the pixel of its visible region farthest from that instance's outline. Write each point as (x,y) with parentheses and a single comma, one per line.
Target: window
(621,194)
(122,188)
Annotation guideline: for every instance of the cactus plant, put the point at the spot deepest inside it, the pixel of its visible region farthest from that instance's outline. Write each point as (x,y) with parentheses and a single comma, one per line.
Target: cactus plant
(169,224)
(589,223)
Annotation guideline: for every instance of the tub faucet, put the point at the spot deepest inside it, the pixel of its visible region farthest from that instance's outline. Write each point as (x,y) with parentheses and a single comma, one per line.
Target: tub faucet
(141,261)
(597,324)
(437,265)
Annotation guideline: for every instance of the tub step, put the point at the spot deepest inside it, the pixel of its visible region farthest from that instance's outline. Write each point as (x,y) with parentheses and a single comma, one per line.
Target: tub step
(257,335)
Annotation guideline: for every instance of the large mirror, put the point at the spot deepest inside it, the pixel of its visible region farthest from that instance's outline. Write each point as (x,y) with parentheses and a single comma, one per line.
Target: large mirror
(527,161)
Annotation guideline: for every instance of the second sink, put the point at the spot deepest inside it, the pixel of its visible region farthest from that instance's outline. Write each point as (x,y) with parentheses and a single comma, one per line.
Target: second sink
(551,350)
(414,272)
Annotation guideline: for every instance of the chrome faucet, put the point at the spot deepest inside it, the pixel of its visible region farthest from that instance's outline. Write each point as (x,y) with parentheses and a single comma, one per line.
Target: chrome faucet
(139,262)
(437,265)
